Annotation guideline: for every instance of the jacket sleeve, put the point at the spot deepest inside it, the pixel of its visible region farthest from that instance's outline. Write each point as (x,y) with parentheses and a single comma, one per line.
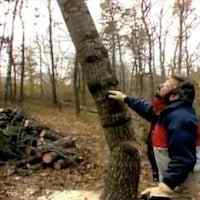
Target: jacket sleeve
(181,149)
(142,107)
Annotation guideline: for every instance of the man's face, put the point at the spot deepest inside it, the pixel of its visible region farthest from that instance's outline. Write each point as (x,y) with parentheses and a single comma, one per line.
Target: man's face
(167,87)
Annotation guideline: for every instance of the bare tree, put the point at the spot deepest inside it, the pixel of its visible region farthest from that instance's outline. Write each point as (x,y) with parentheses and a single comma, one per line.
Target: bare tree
(161,47)
(8,84)
(122,66)
(21,96)
(53,78)
(181,12)
(3,38)
(109,10)
(181,9)
(145,8)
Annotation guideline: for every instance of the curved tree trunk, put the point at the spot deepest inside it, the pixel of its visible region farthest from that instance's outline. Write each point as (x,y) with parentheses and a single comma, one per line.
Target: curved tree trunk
(121,182)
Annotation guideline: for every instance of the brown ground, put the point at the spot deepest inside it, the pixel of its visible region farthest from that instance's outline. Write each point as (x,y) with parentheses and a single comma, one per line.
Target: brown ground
(87,176)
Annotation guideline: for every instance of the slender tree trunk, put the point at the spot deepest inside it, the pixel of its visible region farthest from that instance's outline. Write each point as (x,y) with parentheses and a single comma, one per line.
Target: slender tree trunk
(121,182)
(181,7)
(41,76)
(174,67)
(21,96)
(149,35)
(140,78)
(113,53)
(53,78)
(161,48)
(122,67)
(41,73)
(3,36)
(132,77)
(22,68)
(77,86)
(187,58)
(14,81)
(136,46)
(31,79)
(8,84)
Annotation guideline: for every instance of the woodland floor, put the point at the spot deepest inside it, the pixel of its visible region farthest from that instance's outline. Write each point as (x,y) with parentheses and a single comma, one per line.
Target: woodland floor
(87,176)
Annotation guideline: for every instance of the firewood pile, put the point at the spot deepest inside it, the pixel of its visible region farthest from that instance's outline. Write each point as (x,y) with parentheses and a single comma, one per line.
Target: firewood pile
(28,145)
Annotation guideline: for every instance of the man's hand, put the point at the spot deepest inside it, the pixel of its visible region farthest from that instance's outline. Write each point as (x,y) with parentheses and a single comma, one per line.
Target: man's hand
(117,95)
(162,190)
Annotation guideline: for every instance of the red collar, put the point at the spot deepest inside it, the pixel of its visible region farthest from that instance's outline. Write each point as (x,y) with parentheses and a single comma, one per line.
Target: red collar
(159,105)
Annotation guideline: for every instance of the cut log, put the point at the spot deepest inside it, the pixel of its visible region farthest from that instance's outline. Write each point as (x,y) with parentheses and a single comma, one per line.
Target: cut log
(49,134)
(65,142)
(63,163)
(49,157)
(31,160)
(34,167)
(30,145)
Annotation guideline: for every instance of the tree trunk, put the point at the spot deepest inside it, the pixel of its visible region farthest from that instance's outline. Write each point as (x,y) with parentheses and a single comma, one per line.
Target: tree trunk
(113,53)
(122,67)
(41,73)
(21,95)
(53,78)
(115,120)
(174,67)
(3,35)
(14,81)
(22,68)
(77,86)
(145,8)
(181,20)
(161,48)
(8,84)
(30,74)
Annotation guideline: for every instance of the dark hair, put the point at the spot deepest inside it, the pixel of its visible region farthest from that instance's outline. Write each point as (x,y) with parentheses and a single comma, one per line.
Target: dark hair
(185,88)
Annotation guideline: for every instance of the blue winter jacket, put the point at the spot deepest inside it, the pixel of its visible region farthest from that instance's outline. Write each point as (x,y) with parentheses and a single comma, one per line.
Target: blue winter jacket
(173,138)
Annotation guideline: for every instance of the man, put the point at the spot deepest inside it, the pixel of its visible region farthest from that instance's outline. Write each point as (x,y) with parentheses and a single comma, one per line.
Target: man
(174,141)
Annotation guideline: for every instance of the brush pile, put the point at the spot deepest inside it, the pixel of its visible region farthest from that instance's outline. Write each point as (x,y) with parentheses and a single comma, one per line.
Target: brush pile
(28,145)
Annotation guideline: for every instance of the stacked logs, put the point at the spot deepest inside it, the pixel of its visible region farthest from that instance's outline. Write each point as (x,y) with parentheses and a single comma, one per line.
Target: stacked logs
(29,145)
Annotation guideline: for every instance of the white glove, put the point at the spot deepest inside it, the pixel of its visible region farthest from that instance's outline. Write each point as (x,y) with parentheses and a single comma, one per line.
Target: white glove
(117,95)
(162,190)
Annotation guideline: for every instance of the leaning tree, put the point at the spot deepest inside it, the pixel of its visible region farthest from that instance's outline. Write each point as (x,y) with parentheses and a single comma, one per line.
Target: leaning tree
(121,182)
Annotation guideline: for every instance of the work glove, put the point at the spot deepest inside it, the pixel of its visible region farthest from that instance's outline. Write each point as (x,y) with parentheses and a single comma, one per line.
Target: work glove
(161,191)
(117,95)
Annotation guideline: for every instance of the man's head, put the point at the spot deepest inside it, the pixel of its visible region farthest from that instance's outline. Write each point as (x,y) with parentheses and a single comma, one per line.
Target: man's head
(177,87)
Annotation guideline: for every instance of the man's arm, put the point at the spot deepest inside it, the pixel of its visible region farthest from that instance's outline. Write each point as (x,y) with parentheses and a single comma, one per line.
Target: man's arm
(142,107)
(181,148)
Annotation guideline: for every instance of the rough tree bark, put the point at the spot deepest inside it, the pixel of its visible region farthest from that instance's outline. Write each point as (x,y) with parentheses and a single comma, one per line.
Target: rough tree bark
(121,182)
